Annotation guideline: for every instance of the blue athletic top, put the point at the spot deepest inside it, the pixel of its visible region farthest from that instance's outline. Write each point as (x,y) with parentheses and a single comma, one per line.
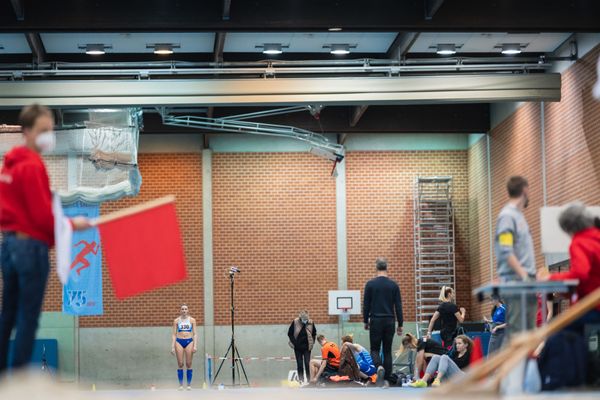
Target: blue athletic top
(365,362)
(499,316)
(184,326)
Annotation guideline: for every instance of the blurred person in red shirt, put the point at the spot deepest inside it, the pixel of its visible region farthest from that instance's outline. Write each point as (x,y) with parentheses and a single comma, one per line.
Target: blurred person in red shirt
(27,225)
(584,251)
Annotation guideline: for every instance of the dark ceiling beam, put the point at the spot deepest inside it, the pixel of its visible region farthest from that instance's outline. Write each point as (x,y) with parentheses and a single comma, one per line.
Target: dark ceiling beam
(226,9)
(431,7)
(37,47)
(218,54)
(401,45)
(219,46)
(19,9)
(357,113)
(304,16)
(218,58)
(397,50)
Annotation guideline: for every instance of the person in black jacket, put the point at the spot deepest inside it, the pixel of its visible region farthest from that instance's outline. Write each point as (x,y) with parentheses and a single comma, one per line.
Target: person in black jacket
(302,334)
(450,315)
(382,306)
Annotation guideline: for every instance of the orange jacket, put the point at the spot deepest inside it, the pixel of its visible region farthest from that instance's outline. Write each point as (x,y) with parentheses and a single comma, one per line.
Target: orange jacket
(331,352)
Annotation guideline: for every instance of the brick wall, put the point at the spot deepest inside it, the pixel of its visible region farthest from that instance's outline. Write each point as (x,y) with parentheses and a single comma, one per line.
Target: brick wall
(274,216)
(162,174)
(479,250)
(573,137)
(515,147)
(380,187)
(57,172)
(572,146)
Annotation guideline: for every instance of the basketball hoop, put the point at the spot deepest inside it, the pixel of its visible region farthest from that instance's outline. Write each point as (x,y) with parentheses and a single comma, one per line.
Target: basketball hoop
(345,313)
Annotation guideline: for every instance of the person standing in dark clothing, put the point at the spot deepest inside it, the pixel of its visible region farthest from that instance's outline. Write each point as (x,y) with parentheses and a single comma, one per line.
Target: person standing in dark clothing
(302,334)
(382,306)
(450,315)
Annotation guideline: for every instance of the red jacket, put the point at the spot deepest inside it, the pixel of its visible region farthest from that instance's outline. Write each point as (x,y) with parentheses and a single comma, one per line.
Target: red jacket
(25,198)
(585,262)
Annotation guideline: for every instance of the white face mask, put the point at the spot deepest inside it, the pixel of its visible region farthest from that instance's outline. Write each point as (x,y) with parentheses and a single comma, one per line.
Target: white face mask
(46,141)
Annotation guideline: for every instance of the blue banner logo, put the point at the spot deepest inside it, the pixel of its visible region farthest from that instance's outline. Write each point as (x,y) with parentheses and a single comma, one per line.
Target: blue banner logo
(82,295)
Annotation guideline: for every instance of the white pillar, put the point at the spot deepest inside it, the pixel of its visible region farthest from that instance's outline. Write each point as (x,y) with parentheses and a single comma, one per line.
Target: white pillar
(207,251)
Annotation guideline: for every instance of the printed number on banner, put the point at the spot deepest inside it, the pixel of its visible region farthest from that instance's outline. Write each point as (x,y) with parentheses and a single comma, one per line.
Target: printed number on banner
(77,298)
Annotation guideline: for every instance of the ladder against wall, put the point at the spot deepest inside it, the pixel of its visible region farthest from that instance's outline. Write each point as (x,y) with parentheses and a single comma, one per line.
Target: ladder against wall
(434,243)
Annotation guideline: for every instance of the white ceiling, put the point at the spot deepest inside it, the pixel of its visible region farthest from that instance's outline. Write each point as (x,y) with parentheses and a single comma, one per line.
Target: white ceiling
(128,42)
(306,42)
(486,42)
(14,43)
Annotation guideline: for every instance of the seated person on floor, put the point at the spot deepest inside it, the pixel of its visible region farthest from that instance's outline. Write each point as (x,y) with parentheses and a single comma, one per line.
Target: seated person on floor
(426,348)
(448,365)
(356,362)
(330,362)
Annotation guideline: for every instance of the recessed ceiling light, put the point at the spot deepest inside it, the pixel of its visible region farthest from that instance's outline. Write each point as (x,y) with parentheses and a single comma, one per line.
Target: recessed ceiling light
(511,48)
(95,49)
(272,48)
(334,29)
(340,49)
(162,48)
(446,49)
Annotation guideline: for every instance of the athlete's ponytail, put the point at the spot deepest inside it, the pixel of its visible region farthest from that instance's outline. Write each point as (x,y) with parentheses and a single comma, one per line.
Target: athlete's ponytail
(409,341)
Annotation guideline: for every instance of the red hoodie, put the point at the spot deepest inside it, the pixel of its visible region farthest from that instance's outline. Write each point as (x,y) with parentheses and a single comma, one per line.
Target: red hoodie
(585,262)
(25,198)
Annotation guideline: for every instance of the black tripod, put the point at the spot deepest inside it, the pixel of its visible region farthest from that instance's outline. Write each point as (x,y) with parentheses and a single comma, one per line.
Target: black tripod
(236,360)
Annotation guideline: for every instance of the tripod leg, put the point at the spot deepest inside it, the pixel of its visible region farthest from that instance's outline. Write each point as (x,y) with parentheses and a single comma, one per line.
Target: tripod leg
(242,365)
(223,361)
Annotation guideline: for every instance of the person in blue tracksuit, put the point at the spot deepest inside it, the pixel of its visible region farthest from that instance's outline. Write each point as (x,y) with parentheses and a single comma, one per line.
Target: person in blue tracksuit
(361,356)
(497,324)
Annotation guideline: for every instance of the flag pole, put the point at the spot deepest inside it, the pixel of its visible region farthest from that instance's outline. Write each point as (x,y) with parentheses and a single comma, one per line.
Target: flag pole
(125,212)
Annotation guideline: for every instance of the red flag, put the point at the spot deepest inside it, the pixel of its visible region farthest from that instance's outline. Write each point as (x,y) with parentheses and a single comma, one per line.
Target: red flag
(477,352)
(143,250)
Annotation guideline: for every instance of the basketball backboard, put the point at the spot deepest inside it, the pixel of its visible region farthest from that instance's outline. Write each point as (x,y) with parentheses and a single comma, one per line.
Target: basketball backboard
(344,302)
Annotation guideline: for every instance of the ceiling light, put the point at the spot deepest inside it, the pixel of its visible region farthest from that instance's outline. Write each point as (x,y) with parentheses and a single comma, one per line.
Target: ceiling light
(95,49)
(339,48)
(446,49)
(272,48)
(162,48)
(334,29)
(511,48)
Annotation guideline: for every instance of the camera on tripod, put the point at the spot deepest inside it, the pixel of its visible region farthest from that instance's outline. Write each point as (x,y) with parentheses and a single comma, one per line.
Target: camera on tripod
(236,360)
